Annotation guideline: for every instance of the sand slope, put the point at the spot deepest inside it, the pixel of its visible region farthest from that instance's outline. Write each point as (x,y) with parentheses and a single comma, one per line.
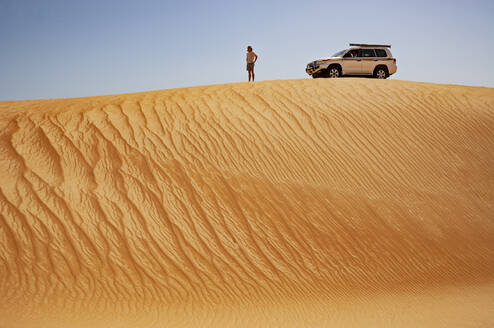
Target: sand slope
(282,203)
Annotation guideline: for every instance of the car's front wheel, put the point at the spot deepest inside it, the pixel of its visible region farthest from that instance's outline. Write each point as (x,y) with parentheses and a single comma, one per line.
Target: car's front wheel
(333,72)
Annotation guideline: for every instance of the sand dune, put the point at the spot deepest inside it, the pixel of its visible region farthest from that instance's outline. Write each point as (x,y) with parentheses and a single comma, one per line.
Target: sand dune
(349,202)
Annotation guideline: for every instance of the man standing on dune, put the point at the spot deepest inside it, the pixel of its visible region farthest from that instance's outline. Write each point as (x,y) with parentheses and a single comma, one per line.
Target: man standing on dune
(251,60)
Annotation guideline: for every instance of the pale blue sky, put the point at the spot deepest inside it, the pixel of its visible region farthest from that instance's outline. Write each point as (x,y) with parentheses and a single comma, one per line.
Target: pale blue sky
(73,48)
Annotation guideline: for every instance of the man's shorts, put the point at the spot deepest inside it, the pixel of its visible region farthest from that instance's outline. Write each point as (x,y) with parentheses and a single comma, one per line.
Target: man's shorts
(250,66)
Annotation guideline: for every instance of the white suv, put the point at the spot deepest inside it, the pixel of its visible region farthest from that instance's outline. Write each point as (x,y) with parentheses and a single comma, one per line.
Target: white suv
(361,59)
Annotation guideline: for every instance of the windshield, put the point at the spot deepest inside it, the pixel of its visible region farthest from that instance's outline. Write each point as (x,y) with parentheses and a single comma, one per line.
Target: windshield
(339,53)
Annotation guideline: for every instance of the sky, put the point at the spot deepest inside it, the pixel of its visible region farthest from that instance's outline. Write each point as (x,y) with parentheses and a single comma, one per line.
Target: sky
(75,48)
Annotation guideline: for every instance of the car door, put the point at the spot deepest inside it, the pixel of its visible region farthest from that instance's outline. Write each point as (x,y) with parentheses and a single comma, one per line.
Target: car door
(382,58)
(369,61)
(352,63)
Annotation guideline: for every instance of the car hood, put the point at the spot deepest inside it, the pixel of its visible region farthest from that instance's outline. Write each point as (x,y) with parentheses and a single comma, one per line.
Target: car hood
(322,60)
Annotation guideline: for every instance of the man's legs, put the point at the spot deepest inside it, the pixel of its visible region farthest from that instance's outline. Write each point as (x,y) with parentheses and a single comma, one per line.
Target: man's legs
(251,74)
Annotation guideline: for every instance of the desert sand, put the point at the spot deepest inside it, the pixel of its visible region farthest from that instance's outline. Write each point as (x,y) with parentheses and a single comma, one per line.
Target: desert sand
(299,203)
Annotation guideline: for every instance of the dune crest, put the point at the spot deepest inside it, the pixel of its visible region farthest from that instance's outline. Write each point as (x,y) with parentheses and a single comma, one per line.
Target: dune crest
(278,203)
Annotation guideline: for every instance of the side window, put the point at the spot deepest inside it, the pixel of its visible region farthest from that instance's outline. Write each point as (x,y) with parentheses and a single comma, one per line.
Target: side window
(381,53)
(348,55)
(368,53)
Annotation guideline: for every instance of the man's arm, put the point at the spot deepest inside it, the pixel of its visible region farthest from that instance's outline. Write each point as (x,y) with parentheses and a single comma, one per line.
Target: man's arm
(255,59)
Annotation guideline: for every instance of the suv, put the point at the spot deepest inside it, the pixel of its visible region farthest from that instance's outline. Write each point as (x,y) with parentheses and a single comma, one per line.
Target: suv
(361,59)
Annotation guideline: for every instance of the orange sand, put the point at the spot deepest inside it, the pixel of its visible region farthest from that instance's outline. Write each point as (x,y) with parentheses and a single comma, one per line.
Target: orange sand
(342,202)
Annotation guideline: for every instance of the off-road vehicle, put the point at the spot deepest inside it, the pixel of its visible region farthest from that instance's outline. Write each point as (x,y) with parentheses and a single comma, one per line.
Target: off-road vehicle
(360,59)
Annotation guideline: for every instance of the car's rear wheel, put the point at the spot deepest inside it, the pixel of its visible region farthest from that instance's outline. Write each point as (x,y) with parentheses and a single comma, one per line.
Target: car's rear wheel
(333,72)
(380,73)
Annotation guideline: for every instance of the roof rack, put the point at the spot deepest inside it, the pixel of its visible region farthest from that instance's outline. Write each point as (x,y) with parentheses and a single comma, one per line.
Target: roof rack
(369,45)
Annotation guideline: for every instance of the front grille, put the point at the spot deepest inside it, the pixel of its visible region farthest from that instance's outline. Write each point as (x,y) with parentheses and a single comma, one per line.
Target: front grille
(313,65)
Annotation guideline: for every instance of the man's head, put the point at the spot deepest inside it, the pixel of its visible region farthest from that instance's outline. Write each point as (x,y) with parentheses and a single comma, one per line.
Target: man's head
(249,48)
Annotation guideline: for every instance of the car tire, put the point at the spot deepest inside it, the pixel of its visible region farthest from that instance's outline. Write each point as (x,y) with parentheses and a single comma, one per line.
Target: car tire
(333,72)
(381,73)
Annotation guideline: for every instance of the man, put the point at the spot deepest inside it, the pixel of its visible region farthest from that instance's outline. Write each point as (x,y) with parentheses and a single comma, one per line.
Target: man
(251,60)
